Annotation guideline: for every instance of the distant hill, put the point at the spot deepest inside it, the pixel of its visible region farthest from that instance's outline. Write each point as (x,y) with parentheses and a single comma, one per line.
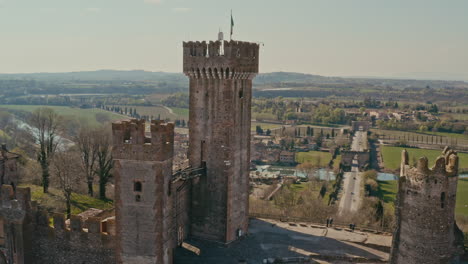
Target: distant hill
(101,75)
(292,79)
(271,80)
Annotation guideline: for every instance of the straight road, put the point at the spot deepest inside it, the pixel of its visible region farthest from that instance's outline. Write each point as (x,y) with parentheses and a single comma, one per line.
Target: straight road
(351,195)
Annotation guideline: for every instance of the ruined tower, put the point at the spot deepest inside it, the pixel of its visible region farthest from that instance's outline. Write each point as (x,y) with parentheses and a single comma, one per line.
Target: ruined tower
(143,170)
(220,74)
(426,231)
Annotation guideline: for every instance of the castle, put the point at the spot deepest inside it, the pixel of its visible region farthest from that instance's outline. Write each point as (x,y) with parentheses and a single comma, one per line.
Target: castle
(157,209)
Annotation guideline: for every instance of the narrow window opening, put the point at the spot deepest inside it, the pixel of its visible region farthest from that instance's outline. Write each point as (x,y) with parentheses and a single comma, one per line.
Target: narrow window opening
(442,200)
(138,198)
(137,186)
(241,93)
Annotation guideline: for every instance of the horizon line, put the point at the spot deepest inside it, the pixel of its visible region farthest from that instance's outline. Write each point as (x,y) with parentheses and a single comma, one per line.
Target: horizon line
(393,77)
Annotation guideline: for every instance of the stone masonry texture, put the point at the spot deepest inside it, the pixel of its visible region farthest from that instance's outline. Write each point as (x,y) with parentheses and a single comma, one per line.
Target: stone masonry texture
(220,76)
(143,170)
(426,231)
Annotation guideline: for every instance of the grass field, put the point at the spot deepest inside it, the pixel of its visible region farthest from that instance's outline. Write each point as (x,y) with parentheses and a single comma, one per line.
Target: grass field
(463,117)
(388,190)
(445,134)
(160,111)
(392,156)
(314,157)
(54,200)
(86,114)
(424,138)
(461,208)
(182,112)
(314,187)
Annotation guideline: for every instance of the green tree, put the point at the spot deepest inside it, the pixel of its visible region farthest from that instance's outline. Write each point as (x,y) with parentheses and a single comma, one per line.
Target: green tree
(104,162)
(259,130)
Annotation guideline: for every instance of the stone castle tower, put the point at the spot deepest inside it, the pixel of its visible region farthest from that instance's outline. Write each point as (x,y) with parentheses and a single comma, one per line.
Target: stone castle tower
(426,231)
(143,171)
(220,74)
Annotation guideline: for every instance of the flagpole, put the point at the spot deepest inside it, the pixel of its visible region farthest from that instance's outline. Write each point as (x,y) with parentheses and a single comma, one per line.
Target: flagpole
(232,26)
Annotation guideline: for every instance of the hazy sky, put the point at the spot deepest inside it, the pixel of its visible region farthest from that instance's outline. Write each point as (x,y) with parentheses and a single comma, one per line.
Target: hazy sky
(409,38)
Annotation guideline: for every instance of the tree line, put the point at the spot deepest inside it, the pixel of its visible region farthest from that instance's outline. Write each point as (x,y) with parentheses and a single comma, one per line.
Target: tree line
(88,158)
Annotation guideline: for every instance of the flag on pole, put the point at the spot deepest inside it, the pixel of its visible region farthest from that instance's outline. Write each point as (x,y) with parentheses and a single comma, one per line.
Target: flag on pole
(232,24)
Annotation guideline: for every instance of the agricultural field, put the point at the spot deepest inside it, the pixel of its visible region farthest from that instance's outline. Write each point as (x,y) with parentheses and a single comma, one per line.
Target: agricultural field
(93,116)
(445,134)
(435,138)
(388,191)
(392,156)
(322,158)
(160,111)
(463,117)
(183,112)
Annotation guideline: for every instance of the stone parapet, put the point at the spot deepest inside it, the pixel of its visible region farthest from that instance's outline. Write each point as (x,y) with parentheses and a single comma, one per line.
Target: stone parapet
(130,140)
(221,60)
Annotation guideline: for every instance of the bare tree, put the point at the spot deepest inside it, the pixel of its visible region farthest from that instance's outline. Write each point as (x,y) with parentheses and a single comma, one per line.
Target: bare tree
(67,173)
(104,163)
(87,143)
(306,168)
(46,121)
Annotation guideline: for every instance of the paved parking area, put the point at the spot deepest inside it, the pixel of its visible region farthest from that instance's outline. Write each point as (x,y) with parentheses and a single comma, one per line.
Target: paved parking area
(274,239)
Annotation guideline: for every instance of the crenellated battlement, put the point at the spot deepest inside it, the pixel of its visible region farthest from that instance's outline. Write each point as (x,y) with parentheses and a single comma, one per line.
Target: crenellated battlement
(131,141)
(425,230)
(221,60)
(445,166)
(74,229)
(93,237)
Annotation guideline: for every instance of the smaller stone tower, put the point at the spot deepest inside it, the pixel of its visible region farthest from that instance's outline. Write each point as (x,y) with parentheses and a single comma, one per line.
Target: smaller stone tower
(143,170)
(426,231)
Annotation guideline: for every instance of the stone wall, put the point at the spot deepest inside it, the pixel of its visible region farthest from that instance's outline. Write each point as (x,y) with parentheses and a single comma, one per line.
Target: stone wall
(28,236)
(220,101)
(347,157)
(426,231)
(360,125)
(60,244)
(143,172)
